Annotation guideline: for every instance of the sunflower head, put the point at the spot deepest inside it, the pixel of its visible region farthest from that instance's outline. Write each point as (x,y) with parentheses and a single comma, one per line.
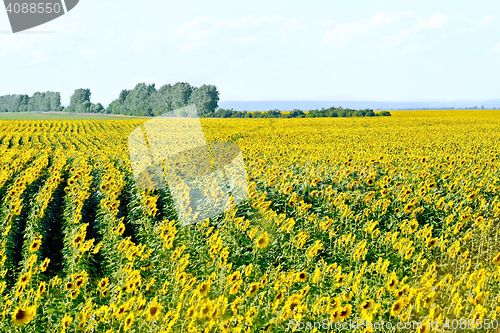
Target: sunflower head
(35,245)
(153,310)
(301,276)
(22,315)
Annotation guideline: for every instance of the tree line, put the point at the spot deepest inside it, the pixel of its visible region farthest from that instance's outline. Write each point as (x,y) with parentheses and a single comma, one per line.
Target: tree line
(296,113)
(46,101)
(145,100)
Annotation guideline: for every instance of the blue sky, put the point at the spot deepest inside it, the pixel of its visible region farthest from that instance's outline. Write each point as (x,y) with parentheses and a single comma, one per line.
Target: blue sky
(263,50)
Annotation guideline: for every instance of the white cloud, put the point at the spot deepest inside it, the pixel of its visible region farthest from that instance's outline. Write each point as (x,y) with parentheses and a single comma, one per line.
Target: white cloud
(197,33)
(90,54)
(410,47)
(247,39)
(435,22)
(267,19)
(344,32)
(497,47)
(486,20)
(185,27)
(328,23)
(249,21)
(38,56)
(290,28)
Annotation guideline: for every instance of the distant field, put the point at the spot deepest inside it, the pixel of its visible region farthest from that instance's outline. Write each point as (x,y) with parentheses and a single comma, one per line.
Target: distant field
(385,219)
(445,113)
(57,116)
(78,116)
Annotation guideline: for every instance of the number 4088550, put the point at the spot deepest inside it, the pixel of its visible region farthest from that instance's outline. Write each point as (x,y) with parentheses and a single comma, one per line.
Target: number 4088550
(33,8)
(456,324)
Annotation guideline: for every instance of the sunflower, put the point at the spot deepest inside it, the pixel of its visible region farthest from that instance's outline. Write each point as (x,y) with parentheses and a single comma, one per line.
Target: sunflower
(365,305)
(104,283)
(69,286)
(128,321)
(345,312)
(205,309)
(23,315)
(496,259)
(78,240)
(24,279)
(42,287)
(423,328)
(121,229)
(203,289)
(44,265)
(429,299)
(121,311)
(396,308)
(153,310)
(291,304)
(248,269)
(233,277)
(431,242)
(409,253)
(236,304)
(392,282)
(191,312)
(35,245)
(279,296)
(262,241)
(66,322)
(252,290)
(301,276)
(74,293)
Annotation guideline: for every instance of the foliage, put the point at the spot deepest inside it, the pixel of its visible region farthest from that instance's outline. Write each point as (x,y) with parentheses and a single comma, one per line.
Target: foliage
(145,100)
(47,101)
(346,219)
(296,113)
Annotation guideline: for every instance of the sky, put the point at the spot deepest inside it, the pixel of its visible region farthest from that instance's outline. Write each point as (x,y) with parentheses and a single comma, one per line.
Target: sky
(262,50)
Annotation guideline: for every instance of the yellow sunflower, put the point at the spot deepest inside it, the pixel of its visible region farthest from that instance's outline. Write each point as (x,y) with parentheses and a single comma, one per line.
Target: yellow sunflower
(203,289)
(66,322)
(253,288)
(35,245)
(396,308)
(128,321)
(301,276)
(496,259)
(153,310)
(22,315)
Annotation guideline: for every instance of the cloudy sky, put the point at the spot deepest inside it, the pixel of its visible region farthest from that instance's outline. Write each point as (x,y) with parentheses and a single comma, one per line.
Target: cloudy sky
(263,50)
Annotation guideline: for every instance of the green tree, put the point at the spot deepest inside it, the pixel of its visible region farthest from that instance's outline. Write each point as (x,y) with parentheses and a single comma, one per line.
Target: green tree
(80,101)
(181,92)
(205,98)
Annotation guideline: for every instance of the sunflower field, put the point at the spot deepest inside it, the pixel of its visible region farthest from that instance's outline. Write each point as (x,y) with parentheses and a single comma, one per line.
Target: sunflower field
(378,218)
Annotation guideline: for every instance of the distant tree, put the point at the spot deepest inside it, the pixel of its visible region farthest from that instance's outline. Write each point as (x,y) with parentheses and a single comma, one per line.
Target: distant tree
(181,92)
(96,108)
(205,98)
(80,101)
(296,113)
(369,113)
(274,113)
